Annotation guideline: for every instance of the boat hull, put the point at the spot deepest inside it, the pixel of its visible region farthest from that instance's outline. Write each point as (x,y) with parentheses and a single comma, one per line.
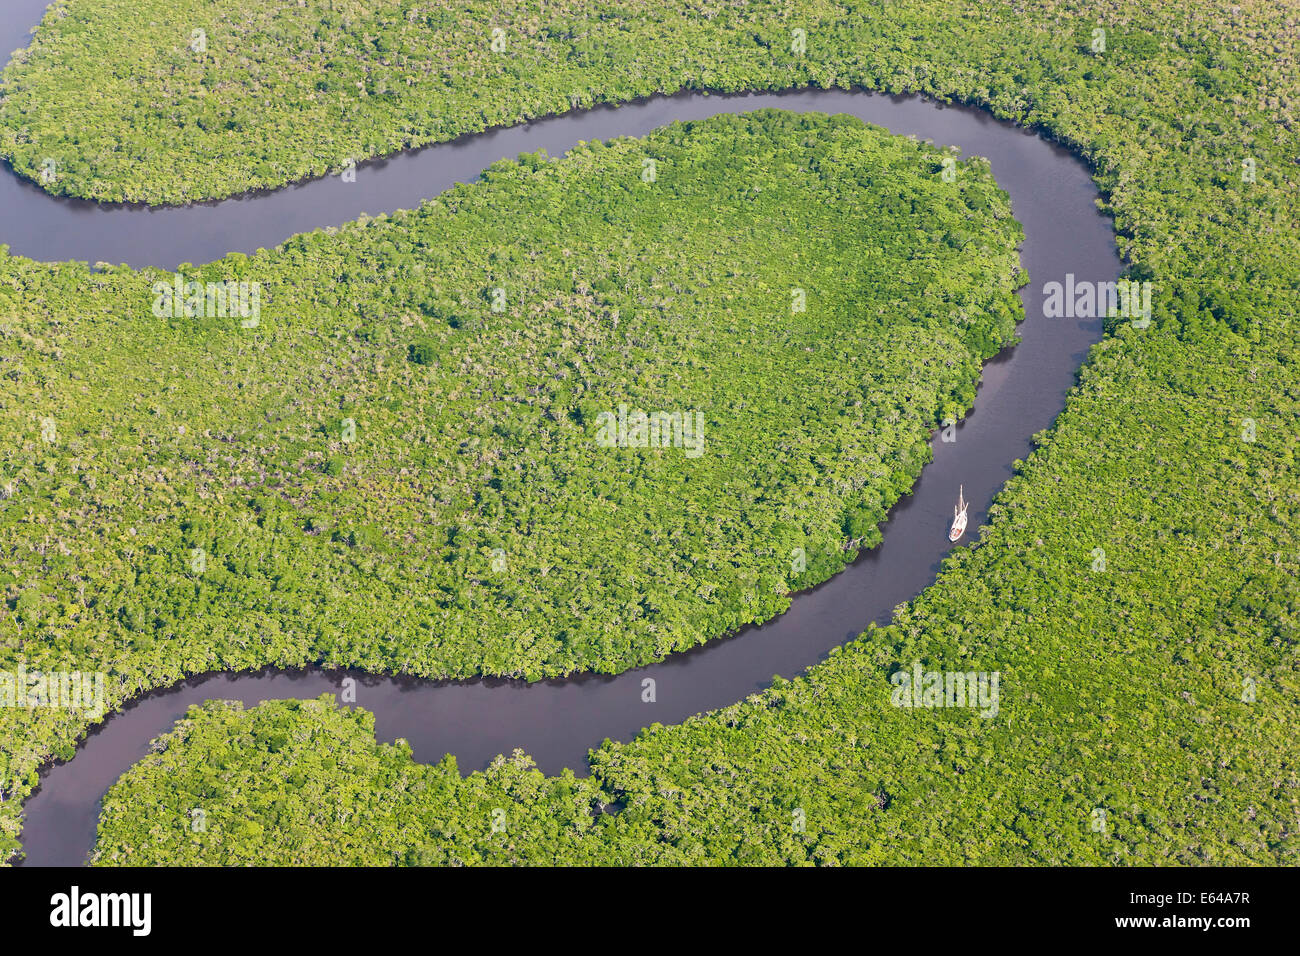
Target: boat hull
(958,528)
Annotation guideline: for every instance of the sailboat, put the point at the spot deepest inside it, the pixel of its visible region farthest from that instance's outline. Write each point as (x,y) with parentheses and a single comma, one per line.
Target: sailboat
(959,515)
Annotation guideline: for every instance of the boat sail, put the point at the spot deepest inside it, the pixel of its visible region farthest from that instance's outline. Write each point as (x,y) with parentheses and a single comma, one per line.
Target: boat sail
(959,515)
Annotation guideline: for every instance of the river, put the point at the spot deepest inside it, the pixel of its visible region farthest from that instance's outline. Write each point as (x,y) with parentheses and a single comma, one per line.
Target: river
(1021,392)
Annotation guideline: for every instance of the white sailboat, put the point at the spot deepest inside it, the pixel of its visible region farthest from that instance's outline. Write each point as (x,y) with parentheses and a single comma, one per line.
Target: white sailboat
(959,515)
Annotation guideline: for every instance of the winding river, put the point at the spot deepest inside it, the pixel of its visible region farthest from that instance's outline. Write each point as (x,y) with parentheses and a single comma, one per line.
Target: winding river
(1021,392)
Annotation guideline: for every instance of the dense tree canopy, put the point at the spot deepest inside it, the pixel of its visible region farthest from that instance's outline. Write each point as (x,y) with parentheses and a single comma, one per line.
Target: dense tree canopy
(400,467)
(1161,690)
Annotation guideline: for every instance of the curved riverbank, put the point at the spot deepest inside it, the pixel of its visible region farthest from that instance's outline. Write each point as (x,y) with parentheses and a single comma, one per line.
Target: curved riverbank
(1021,393)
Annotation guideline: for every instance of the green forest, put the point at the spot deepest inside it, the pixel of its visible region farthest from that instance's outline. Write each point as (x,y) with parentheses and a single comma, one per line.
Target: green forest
(398,468)
(1127,693)
(1159,688)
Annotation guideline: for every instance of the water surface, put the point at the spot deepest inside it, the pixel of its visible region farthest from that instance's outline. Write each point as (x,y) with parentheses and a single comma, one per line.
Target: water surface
(1021,392)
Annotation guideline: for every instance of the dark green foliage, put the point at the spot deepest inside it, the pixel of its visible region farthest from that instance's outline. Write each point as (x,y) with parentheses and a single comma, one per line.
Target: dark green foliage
(1124,688)
(423,353)
(351,503)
